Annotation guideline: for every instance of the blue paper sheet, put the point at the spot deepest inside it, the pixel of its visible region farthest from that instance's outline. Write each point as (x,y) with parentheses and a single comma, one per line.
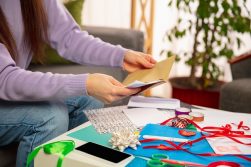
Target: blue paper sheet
(89,134)
(137,162)
(200,147)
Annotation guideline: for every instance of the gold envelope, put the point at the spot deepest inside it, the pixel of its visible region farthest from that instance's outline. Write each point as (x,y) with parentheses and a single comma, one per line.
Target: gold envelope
(160,72)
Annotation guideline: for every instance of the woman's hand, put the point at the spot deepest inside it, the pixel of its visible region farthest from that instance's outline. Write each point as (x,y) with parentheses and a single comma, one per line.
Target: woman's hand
(134,61)
(106,88)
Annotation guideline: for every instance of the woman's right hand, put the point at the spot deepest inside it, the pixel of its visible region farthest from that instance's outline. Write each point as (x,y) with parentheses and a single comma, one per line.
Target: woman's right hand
(106,88)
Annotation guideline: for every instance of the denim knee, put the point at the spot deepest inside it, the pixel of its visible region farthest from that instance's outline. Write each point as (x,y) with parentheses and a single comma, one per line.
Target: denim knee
(24,118)
(81,103)
(53,121)
(49,122)
(31,124)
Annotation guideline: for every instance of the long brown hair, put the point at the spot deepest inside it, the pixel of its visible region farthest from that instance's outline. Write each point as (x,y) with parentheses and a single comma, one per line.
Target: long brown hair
(35,29)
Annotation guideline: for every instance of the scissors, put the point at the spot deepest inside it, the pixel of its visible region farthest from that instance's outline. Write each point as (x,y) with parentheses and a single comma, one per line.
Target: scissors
(162,160)
(158,160)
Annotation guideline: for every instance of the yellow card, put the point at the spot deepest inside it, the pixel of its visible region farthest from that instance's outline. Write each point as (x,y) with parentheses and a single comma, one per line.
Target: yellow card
(155,76)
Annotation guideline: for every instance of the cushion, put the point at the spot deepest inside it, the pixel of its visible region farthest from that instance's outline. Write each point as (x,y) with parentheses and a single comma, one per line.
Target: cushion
(75,8)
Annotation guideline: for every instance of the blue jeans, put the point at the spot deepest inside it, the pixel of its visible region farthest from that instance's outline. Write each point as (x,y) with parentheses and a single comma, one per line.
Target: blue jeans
(32,123)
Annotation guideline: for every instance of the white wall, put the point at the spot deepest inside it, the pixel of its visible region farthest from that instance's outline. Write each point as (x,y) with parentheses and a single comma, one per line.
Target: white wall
(111,13)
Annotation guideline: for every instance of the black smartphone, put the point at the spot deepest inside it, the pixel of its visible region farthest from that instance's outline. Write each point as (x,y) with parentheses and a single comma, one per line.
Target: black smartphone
(104,153)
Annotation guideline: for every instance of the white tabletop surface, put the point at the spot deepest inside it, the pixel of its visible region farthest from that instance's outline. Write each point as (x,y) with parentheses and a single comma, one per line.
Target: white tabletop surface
(213,117)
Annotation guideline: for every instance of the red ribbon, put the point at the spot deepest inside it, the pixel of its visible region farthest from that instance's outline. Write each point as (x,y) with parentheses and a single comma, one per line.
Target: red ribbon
(241,126)
(212,131)
(179,147)
(224,131)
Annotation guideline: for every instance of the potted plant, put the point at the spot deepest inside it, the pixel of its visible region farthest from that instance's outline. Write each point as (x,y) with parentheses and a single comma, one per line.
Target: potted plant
(215,27)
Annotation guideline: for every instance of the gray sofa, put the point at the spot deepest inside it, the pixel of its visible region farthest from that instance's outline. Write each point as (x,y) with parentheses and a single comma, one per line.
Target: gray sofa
(236,95)
(130,39)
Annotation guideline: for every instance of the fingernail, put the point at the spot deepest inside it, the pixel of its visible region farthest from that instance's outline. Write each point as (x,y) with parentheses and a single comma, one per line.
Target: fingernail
(151,65)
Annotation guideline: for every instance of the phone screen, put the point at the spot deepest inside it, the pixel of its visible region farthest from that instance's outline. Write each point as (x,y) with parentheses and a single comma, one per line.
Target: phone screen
(103,152)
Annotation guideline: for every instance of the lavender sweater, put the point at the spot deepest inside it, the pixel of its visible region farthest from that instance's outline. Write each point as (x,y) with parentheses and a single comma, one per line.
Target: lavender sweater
(19,84)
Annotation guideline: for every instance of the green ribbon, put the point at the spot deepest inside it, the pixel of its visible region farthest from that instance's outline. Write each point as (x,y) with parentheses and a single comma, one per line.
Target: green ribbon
(61,148)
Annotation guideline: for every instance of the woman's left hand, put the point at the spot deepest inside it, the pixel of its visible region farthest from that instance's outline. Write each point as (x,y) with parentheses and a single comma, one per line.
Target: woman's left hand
(134,61)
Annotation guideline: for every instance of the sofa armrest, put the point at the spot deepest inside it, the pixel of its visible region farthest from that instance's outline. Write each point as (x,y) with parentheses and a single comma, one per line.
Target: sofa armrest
(240,58)
(240,66)
(128,38)
(235,96)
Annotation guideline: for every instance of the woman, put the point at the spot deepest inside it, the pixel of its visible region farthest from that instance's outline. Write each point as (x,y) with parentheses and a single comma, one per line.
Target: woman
(31,108)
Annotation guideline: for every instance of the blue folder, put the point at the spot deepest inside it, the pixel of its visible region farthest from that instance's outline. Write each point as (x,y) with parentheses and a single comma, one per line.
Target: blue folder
(199,147)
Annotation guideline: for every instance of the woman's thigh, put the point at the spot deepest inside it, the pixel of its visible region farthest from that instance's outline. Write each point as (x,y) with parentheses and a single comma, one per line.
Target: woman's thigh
(19,119)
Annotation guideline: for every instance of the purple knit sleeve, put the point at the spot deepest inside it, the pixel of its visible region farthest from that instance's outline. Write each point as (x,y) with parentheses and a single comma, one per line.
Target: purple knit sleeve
(17,84)
(77,45)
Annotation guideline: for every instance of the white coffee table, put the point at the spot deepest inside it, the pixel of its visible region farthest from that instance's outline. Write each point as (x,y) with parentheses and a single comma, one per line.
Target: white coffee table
(212,117)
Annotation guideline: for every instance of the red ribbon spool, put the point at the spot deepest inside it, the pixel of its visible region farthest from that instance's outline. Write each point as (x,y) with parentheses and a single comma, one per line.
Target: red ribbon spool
(225,163)
(186,133)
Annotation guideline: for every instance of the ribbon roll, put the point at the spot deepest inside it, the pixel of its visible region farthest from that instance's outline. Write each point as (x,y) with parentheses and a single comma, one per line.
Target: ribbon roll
(61,148)
(224,163)
(197,116)
(182,111)
(185,116)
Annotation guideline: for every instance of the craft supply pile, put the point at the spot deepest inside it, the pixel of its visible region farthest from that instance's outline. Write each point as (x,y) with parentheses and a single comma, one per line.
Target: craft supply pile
(155,127)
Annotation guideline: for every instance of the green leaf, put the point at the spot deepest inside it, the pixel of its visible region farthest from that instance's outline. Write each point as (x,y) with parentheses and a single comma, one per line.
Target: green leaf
(238,42)
(218,43)
(169,54)
(225,5)
(178,3)
(180,34)
(226,52)
(170,3)
(169,38)
(203,10)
